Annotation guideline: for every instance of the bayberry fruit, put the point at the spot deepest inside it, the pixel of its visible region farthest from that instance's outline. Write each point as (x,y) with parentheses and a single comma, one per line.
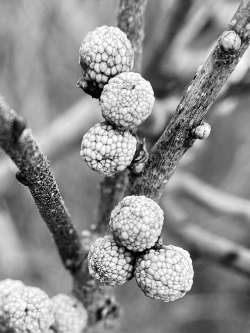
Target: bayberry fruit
(165,274)
(108,150)
(127,100)
(109,263)
(136,223)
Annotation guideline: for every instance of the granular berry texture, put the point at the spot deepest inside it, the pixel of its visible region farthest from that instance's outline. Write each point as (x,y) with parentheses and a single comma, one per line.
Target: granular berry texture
(127,100)
(165,274)
(136,223)
(6,287)
(107,150)
(108,263)
(105,52)
(70,315)
(28,310)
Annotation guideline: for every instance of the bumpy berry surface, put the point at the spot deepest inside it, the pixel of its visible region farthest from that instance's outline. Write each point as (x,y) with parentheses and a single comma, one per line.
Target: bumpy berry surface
(165,274)
(109,263)
(107,150)
(105,52)
(6,287)
(69,313)
(28,310)
(136,222)
(127,100)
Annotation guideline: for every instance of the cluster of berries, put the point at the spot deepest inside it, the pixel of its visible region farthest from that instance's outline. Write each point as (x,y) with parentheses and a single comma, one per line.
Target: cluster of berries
(26,309)
(132,250)
(126,99)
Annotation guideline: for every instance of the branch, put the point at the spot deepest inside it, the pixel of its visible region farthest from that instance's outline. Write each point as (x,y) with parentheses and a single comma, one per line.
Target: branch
(194,105)
(211,197)
(205,244)
(130,19)
(111,190)
(58,138)
(34,172)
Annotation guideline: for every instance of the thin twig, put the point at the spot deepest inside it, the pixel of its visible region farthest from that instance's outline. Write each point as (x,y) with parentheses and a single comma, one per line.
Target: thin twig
(130,19)
(194,105)
(211,197)
(206,244)
(34,172)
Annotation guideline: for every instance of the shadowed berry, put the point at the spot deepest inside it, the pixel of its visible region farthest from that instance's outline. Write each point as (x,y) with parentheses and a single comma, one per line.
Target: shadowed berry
(105,52)
(109,263)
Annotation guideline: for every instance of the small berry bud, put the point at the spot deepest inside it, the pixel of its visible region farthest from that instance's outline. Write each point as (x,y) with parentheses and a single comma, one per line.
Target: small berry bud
(70,315)
(136,223)
(230,41)
(165,274)
(202,131)
(108,263)
(127,100)
(105,52)
(108,150)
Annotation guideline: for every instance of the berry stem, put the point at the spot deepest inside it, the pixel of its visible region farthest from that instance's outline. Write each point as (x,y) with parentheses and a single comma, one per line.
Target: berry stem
(34,171)
(197,99)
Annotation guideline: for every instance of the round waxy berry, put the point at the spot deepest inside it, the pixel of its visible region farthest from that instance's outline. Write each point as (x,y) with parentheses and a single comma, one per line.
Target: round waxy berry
(165,274)
(70,315)
(108,150)
(127,100)
(105,52)
(109,263)
(28,309)
(136,223)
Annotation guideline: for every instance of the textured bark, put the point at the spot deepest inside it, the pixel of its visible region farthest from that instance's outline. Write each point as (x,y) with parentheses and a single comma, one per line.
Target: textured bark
(193,106)
(111,191)
(130,19)
(34,172)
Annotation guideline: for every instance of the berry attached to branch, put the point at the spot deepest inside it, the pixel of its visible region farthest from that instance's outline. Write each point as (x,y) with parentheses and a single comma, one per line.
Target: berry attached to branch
(136,223)
(165,274)
(108,150)
(70,315)
(104,52)
(108,263)
(127,100)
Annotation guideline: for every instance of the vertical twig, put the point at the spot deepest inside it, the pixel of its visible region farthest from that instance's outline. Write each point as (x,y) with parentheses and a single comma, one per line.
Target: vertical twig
(130,19)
